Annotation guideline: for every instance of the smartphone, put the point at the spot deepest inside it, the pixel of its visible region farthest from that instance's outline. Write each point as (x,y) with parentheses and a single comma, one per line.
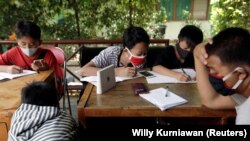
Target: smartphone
(139,88)
(38,62)
(147,74)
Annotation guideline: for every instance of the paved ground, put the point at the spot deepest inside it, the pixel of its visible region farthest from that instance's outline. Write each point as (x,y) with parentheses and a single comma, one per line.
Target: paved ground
(73,102)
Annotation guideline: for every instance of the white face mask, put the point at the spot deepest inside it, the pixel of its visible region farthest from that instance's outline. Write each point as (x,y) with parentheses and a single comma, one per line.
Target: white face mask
(237,84)
(29,51)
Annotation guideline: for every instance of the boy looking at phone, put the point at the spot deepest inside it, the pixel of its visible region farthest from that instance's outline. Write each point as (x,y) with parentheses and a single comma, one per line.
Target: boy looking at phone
(28,54)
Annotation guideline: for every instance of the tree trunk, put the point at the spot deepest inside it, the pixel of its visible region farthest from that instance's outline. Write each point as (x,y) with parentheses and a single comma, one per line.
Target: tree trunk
(77,19)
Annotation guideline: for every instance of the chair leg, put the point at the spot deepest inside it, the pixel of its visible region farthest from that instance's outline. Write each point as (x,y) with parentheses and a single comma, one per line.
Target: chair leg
(67,91)
(64,107)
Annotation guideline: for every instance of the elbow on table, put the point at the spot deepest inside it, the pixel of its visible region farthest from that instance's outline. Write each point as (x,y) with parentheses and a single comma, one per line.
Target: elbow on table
(216,105)
(210,104)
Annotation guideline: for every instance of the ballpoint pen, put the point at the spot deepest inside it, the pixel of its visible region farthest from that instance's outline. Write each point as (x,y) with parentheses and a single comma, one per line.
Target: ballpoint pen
(189,78)
(167,92)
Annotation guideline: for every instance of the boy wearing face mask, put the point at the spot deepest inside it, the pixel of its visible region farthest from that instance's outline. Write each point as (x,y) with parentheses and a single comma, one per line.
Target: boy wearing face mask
(28,36)
(223,69)
(181,55)
(126,59)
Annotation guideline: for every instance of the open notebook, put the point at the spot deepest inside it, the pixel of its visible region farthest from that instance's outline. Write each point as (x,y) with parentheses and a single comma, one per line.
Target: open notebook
(4,75)
(158,78)
(163,99)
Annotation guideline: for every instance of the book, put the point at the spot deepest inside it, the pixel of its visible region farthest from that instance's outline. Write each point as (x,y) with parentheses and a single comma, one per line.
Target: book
(163,98)
(5,75)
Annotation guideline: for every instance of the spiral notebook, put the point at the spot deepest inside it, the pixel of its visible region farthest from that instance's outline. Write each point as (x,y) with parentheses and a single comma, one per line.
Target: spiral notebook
(163,99)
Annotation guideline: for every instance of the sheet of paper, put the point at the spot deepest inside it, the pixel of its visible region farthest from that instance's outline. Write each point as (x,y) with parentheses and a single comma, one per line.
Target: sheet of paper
(166,79)
(4,75)
(163,99)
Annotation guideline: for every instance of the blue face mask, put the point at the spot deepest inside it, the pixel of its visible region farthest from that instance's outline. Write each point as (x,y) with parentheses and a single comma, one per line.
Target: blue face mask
(221,87)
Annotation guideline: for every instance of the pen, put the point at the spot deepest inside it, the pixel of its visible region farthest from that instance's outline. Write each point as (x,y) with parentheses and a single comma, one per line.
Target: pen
(167,91)
(189,78)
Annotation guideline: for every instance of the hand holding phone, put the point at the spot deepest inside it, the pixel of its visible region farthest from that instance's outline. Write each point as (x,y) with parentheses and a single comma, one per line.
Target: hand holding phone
(39,62)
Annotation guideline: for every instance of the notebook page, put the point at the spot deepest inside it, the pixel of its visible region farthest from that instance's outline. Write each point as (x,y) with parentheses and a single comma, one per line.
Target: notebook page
(4,75)
(159,98)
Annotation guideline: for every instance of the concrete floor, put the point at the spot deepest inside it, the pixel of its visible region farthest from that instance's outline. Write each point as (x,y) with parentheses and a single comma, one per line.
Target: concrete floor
(73,103)
(74,66)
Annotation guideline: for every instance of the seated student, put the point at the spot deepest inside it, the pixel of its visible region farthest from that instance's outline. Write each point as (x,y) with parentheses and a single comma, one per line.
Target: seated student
(181,55)
(125,59)
(24,56)
(39,117)
(223,72)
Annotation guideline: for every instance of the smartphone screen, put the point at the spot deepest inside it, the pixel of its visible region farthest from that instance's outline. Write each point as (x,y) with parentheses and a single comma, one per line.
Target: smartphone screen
(146,74)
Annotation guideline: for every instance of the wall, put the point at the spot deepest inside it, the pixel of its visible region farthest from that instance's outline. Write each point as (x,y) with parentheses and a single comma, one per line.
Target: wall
(173,28)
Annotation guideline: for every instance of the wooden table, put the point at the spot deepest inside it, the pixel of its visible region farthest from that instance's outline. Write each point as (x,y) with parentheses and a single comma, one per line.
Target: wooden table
(10,96)
(122,102)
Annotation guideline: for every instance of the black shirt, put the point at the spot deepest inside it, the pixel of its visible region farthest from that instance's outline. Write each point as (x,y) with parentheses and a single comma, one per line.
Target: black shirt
(169,60)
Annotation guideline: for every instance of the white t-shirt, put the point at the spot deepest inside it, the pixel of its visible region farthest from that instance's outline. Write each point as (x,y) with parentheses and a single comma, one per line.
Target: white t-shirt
(242,109)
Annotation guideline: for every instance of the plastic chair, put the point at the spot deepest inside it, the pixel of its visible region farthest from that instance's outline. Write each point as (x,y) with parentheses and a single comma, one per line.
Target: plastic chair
(61,60)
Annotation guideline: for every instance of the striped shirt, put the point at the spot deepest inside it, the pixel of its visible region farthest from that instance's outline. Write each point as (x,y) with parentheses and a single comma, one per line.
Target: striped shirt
(41,123)
(108,56)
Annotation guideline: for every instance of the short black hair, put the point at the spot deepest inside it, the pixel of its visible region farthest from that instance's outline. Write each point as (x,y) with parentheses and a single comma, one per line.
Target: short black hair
(191,34)
(133,35)
(39,93)
(231,45)
(28,28)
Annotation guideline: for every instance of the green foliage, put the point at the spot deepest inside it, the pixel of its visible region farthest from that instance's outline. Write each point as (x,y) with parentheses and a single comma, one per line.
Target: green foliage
(157,25)
(230,13)
(40,11)
(97,18)
(109,18)
(188,19)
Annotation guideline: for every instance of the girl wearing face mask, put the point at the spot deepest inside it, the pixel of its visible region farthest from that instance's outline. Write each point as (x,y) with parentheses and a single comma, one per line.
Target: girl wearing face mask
(181,55)
(28,36)
(126,59)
